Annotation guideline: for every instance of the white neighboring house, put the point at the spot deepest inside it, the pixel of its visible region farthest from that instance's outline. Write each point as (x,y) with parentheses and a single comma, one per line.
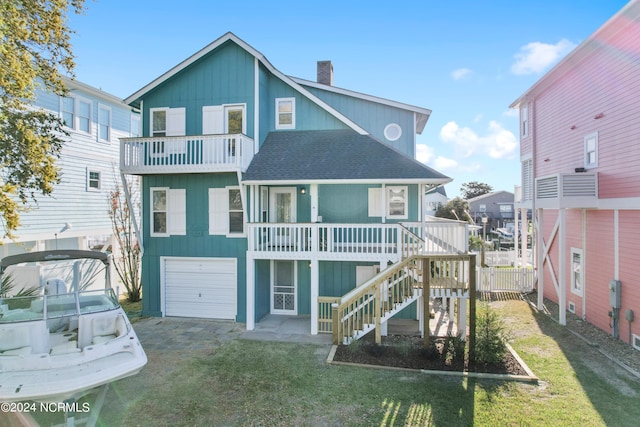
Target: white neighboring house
(75,215)
(435,198)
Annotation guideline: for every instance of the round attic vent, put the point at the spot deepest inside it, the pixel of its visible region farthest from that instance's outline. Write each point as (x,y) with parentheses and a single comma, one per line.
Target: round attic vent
(393,132)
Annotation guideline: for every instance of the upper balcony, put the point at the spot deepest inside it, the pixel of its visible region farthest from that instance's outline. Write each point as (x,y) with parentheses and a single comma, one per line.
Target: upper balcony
(186,154)
(567,190)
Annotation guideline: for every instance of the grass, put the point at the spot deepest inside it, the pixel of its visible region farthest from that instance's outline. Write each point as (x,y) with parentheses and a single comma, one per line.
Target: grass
(244,383)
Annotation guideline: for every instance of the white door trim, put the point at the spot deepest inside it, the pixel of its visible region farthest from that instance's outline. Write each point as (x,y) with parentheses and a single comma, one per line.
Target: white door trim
(272,310)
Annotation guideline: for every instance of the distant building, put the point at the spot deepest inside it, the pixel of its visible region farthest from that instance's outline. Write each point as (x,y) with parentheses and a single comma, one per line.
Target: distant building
(496,206)
(435,198)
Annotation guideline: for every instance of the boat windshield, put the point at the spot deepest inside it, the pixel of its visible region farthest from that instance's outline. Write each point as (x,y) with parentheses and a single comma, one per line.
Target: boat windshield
(20,309)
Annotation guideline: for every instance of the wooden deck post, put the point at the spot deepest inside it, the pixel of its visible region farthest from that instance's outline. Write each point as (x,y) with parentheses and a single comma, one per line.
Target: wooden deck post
(472,309)
(377,302)
(336,324)
(426,292)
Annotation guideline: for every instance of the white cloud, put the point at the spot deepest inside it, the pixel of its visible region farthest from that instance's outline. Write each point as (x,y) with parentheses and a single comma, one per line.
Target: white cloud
(461,73)
(424,153)
(512,112)
(535,57)
(444,164)
(498,143)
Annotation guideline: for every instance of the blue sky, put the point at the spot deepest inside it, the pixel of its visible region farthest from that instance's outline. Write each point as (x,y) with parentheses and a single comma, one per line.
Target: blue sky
(465,60)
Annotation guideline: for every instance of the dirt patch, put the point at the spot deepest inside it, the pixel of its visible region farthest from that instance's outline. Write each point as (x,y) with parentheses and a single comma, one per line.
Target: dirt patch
(404,351)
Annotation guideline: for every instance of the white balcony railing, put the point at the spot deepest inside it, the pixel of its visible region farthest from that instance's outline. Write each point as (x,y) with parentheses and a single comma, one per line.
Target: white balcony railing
(567,190)
(186,154)
(357,241)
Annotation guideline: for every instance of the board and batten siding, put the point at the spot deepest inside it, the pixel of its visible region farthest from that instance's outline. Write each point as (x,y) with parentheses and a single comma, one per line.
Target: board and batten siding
(223,77)
(196,242)
(374,117)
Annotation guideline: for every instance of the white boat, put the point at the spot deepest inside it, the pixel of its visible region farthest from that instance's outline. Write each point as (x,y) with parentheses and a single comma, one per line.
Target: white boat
(62,343)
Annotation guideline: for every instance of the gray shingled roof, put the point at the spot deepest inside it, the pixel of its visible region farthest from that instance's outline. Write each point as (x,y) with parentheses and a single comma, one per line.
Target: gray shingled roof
(334,155)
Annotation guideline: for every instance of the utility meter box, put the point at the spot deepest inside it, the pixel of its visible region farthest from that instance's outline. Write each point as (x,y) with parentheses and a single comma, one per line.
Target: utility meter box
(614,293)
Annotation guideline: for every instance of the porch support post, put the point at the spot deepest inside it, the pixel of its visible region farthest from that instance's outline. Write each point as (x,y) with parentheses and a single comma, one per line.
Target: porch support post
(540,260)
(313,192)
(517,238)
(562,255)
(315,292)
(251,294)
(472,309)
(426,291)
(525,237)
(462,318)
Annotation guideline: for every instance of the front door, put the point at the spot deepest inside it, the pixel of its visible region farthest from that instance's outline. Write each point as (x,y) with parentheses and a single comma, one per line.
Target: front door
(282,210)
(283,288)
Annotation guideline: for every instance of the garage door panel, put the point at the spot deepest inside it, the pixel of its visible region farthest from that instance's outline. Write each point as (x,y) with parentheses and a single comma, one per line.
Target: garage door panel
(201,288)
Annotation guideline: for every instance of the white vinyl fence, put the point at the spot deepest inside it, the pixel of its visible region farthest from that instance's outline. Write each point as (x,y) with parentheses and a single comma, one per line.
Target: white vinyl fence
(515,279)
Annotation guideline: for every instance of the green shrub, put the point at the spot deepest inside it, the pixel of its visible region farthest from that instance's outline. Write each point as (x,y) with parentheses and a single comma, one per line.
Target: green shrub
(491,336)
(453,347)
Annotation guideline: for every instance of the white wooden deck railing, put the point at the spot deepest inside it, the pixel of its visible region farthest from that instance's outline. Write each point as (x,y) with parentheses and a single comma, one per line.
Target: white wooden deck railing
(338,239)
(184,154)
(446,237)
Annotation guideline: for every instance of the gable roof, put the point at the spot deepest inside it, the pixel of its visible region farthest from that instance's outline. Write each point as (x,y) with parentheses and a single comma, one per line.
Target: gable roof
(506,194)
(334,155)
(422,114)
(135,97)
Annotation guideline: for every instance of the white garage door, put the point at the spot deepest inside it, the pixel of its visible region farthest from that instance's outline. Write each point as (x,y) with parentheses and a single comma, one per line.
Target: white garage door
(200,287)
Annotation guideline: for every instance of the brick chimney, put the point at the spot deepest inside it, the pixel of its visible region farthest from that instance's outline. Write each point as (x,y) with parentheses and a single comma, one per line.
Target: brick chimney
(325,73)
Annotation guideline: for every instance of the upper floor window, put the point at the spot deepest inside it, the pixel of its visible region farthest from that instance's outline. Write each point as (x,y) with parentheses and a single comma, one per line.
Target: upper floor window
(285,113)
(591,150)
(76,113)
(506,208)
(524,119)
(482,208)
(168,212)
(84,115)
(104,123)
(167,121)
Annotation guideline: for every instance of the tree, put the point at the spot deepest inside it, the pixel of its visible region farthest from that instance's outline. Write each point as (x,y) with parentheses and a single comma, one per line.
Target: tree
(128,254)
(473,189)
(35,51)
(455,208)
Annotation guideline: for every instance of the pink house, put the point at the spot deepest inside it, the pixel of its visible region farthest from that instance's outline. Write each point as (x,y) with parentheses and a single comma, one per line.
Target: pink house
(580,157)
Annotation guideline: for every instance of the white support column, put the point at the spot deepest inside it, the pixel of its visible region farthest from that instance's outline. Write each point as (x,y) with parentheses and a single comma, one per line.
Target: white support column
(525,237)
(383,326)
(540,261)
(452,308)
(313,192)
(315,292)
(516,235)
(462,318)
(251,294)
(562,262)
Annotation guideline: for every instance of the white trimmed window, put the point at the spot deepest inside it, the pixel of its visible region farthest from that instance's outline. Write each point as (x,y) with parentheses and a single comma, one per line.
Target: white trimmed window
(83,113)
(76,113)
(524,120)
(397,202)
(285,113)
(577,271)
(168,212)
(226,216)
(168,121)
(104,123)
(93,180)
(591,150)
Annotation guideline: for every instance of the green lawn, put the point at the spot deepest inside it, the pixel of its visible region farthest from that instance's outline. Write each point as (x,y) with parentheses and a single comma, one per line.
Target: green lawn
(253,383)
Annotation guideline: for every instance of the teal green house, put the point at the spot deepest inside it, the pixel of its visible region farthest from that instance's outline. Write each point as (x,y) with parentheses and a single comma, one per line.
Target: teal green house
(264,194)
